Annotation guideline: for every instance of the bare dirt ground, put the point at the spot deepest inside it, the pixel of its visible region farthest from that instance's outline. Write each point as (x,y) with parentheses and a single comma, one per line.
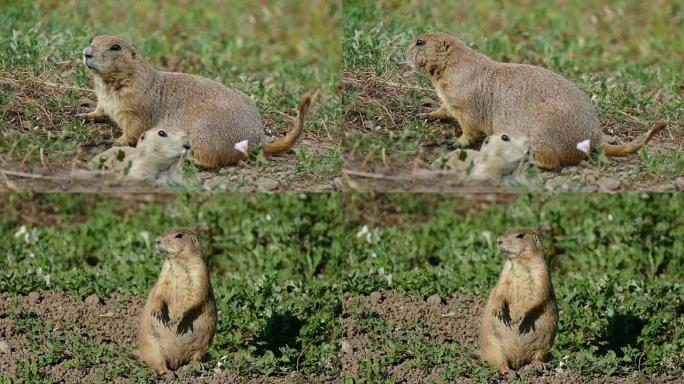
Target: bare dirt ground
(55,105)
(387,97)
(111,322)
(452,322)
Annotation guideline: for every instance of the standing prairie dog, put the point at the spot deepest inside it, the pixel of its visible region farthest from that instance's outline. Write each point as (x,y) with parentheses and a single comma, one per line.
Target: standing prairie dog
(179,318)
(499,156)
(158,156)
(137,98)
(488,97)
(520,320)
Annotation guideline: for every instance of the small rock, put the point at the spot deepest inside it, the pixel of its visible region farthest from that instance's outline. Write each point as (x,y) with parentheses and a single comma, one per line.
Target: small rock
(434,300)
(324,188)
(608,183)
(267,183)
(34,297)
(568,170)
(679,183)
(375,297)
(5,348)
(93,300)
(665,187)
(346,347)
(591,189)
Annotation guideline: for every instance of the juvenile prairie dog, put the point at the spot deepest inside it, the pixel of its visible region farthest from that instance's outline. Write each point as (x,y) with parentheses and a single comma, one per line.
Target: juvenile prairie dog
(488,97)
(499,156)
(520,320)
(158,156)
(179,318)
(137,98)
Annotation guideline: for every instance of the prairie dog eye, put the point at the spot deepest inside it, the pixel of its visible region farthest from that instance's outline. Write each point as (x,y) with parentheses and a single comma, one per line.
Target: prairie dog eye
(420,42)
(486,141)
(142,137)
(162,133)
(179,236)
(520,235)
(115,47)
(505,138)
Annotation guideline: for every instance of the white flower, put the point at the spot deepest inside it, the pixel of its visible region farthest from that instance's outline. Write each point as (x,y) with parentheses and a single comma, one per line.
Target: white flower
(268,217)
(29,235)
(242,146)
(146,236)
(362,232)
(22,230)
(584,146)
(371,236)
(45,276)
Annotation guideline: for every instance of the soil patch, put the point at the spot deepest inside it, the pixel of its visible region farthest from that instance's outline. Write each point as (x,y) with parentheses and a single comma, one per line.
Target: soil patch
(111,322)
(452,322)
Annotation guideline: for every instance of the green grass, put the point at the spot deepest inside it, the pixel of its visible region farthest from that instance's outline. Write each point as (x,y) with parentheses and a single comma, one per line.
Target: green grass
(275,52)
(616,260)
(270,259)
(626,55)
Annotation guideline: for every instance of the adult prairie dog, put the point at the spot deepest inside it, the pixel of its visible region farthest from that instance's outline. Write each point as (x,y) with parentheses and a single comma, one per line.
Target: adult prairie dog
(137,98)
(520,320)
(488,97)
(499,156)
(158,157)
(179,318)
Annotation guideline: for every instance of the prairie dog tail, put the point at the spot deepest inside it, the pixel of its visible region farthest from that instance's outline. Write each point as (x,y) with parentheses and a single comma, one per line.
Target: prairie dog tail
(634,145)
(282,145)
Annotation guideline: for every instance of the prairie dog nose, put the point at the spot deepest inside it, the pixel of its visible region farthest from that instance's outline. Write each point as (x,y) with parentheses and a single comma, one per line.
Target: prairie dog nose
(186,146)
(88,52)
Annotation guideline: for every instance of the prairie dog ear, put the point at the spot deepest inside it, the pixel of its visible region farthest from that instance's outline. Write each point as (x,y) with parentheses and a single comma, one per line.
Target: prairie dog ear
(537,241)
(134,51)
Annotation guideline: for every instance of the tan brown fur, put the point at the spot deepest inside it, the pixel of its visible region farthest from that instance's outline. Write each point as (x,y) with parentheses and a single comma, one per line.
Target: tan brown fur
(179,318)
(137,98)
(500,156)
(520,320)
(488,97)
(158,156)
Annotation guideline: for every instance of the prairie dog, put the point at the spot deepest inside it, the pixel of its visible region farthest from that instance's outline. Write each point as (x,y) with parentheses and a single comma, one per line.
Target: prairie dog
(488,97)
(520,320)
(137,98)
(159,155)
(499,156)
(178,322)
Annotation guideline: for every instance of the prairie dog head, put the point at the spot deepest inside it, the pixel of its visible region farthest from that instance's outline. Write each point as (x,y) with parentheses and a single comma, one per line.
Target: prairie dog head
(520,241)
(501,154)
(430,53)
(107,56)
(178,241)
(162,148)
